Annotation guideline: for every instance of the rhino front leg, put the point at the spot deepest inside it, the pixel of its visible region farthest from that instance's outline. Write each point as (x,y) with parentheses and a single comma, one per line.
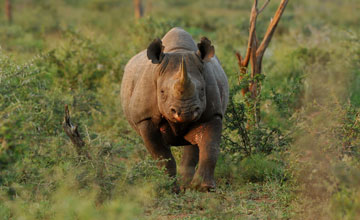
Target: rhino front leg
(156,146)
(207,136)
(189,161)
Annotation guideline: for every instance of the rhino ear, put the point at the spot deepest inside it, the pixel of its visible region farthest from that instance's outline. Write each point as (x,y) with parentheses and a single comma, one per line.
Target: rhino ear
(155,51)
(206,50)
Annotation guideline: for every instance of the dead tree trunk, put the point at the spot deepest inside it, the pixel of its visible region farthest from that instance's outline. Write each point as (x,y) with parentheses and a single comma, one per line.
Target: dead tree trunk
(139,10)
(254,54)
(8,11)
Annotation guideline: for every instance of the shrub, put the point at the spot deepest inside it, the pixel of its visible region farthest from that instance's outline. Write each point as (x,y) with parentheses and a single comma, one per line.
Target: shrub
(241,139)
(258,168)
(82,64)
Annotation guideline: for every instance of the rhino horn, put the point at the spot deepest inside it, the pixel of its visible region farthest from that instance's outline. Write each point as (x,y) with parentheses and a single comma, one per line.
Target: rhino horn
(184,78)
(184,86)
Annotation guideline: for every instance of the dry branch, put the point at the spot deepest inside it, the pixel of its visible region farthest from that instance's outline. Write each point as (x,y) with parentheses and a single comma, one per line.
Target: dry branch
(252,30)
(73,133)
(271,28)
(264,6)
(255,53)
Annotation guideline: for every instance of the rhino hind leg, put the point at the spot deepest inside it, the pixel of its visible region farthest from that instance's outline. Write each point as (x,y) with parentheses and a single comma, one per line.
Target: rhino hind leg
(158,149)
(188,164)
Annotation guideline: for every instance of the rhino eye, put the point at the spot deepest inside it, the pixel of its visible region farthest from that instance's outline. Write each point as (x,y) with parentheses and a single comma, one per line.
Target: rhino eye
(202,93)
(163,95)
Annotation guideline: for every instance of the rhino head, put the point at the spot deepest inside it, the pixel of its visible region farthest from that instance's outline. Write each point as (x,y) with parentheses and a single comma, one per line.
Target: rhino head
(181,89)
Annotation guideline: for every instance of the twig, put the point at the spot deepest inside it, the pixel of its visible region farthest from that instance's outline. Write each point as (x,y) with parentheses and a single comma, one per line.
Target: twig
(263,7)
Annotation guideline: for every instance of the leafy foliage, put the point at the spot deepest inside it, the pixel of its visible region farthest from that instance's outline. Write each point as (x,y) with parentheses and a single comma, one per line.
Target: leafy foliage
(241,139)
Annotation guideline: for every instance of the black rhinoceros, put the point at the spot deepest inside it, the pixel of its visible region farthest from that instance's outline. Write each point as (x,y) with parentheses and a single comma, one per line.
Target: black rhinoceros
(175,94)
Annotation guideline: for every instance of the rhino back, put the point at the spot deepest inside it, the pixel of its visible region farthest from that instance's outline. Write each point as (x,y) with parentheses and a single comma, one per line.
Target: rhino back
(177,38)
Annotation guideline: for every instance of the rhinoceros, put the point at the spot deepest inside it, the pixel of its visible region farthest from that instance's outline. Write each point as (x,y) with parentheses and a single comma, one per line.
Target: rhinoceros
(175,93)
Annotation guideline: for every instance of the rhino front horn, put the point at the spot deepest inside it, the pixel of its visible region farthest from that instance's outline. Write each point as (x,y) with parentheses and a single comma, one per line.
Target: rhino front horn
(184,78)
(184,87)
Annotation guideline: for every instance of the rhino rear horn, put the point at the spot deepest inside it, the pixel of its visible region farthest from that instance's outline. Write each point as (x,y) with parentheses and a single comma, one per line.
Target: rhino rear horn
(155,51)
(206,50)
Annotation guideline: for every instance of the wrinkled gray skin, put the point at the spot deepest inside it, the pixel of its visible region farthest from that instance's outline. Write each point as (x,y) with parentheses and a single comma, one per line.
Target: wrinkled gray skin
(175,93)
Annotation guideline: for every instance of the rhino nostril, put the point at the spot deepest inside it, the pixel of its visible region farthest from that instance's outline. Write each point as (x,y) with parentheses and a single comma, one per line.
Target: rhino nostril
(173,110)
(197,109)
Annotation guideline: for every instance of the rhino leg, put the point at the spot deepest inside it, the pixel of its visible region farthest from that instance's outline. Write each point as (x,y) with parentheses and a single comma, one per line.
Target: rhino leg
(157,148)
(207,136)
(189,161)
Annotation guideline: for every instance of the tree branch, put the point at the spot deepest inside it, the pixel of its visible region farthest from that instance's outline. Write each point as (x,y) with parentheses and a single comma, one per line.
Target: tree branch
(264,6)
(239,59)
(254,54)
(253,17)
(73,133)
(271,29)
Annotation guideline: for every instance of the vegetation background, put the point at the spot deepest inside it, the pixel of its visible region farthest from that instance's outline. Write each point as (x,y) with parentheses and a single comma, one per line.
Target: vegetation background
(302,162)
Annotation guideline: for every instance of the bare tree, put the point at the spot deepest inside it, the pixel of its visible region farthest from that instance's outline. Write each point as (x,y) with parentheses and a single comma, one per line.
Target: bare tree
(8,11)
(139,10)
(255,53)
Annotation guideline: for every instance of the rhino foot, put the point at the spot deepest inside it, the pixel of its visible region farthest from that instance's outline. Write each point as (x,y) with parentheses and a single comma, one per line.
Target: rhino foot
(200,188)
(203,186)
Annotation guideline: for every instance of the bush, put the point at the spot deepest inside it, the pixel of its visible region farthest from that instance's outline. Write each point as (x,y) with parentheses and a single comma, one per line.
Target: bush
(242,138)
(258,168)
(82,64)
(39,168)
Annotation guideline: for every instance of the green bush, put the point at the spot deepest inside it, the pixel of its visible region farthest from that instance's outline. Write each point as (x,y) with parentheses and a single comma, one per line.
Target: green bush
(82,64)
(258,168)
(39,167)
(242,138)
(345,204)
(146,30)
